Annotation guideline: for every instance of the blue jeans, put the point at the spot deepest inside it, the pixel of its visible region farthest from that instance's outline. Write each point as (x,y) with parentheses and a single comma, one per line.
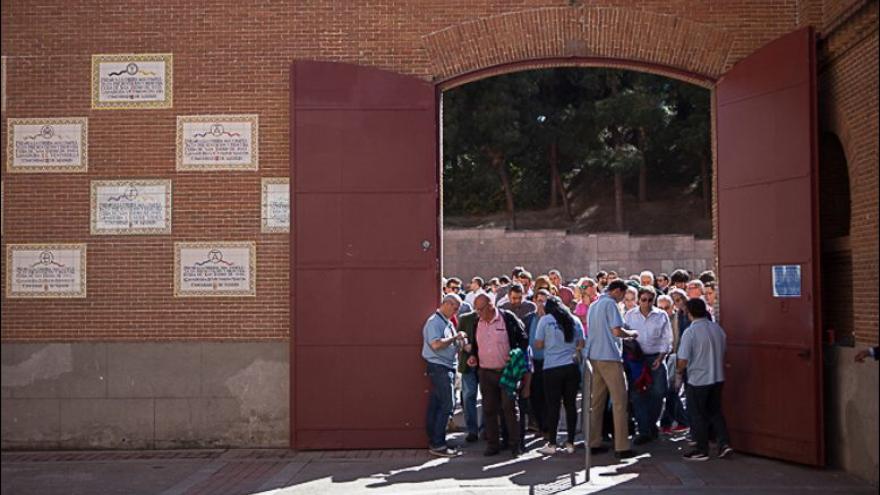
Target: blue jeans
(440,403)
(470,384)
(674,409)
(648,405)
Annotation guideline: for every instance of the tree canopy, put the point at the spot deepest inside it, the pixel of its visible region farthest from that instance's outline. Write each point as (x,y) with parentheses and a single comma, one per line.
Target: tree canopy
(525,141)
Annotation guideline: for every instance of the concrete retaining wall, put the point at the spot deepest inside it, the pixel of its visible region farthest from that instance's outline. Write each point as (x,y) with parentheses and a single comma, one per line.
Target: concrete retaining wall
(492,252)
(145,395)
(851,413)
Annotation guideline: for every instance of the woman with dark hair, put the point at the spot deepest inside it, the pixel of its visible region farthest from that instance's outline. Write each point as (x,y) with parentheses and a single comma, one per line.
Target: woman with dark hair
(561,336)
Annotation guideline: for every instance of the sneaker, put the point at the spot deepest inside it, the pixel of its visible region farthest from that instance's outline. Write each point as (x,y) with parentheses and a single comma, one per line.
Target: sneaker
(625,454)
(548,449)
(471,438)
(666,430)
(516,452)
(444,452)
(680,429)
(695,455)
(724,451)
(569,448)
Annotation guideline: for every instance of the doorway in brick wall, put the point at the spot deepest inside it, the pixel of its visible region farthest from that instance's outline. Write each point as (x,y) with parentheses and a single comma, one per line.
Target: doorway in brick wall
(366,205)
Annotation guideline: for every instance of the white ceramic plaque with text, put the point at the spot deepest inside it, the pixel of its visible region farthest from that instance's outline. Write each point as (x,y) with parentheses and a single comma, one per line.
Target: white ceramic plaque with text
(45,270)
(217,142)
(47,145)
(276,205)
(214,269)
(132,81)
(131,207)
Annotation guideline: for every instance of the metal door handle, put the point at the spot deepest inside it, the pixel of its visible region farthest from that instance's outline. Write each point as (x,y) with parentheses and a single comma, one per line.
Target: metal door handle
(426,245)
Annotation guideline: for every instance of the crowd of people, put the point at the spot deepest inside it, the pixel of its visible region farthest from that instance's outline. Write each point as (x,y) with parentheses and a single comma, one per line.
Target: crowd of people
(651,343)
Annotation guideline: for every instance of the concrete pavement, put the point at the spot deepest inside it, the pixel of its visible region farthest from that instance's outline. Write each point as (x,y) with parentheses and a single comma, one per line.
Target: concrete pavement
(658,470)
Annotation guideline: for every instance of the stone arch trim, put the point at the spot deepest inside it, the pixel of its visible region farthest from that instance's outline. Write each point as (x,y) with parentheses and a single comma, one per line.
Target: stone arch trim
(624,37)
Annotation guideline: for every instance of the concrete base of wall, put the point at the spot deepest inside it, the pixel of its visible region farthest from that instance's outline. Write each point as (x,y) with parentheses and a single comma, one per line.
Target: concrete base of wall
(145,395)
(851,413)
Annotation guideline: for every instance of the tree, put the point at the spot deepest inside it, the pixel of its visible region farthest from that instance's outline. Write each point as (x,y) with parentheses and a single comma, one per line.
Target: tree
(483,122)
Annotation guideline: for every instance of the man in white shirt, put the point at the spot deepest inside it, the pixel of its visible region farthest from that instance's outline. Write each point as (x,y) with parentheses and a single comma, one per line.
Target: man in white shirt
(474,289)
(655,339)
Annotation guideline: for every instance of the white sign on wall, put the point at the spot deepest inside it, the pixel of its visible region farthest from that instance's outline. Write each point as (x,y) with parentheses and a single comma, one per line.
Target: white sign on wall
(214,269)
(131,207)
(47,145)
(132,81)
(45,270)
(217,142)
(276,205)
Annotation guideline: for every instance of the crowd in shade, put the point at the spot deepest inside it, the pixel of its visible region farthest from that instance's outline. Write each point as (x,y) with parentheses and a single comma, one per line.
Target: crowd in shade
(523,344)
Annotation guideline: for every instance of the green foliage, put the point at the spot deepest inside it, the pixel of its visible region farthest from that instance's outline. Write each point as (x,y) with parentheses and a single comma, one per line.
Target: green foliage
(600,120)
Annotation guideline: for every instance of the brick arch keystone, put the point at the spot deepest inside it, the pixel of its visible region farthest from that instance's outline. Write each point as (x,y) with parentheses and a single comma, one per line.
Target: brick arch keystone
(581,35)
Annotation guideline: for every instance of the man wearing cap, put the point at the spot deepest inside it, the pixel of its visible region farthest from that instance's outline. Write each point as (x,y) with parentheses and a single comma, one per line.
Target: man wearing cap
(439,342)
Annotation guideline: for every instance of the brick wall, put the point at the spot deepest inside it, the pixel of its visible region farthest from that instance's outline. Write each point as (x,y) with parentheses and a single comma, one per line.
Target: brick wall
(233,57)
(848,109)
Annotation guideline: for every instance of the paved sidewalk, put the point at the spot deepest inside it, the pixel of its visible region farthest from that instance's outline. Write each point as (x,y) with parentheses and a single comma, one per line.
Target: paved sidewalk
(213,472)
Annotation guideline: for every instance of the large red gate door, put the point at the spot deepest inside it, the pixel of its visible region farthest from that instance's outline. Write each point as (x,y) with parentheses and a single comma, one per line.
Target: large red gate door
(767,247)
(364,254)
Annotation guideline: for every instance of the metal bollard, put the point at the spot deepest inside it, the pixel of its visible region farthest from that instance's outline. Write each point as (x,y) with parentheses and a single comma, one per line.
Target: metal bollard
(586,402)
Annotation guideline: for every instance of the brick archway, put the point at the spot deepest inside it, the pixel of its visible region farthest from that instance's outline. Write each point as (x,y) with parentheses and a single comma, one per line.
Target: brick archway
(583,36)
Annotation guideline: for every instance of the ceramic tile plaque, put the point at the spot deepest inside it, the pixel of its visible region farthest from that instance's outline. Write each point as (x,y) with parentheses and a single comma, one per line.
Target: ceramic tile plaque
(217,142)
(132,81)
(47,145)
(276,205)
(214,269)
(45,270)
(130,207)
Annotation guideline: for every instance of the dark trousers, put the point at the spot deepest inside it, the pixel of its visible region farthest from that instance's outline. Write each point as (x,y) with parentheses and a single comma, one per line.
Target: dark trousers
(561,383)
(537,398)
(523,405)
(497,401)
(704,407)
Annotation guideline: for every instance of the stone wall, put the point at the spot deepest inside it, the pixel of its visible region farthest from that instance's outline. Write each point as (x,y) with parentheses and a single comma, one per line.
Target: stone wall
(492,252)
(145,395)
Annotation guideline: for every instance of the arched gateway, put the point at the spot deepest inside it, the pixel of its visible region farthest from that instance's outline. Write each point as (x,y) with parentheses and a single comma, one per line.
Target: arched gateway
(365,198)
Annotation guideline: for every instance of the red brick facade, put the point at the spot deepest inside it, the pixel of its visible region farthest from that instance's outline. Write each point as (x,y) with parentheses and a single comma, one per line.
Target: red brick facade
(234,58)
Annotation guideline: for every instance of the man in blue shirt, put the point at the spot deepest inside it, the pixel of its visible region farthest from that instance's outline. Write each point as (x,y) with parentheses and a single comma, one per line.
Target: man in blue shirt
(701,352)
(439,342)
(604,349)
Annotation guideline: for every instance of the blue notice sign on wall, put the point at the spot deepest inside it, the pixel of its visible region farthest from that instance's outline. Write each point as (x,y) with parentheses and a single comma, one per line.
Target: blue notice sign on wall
(786,281)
